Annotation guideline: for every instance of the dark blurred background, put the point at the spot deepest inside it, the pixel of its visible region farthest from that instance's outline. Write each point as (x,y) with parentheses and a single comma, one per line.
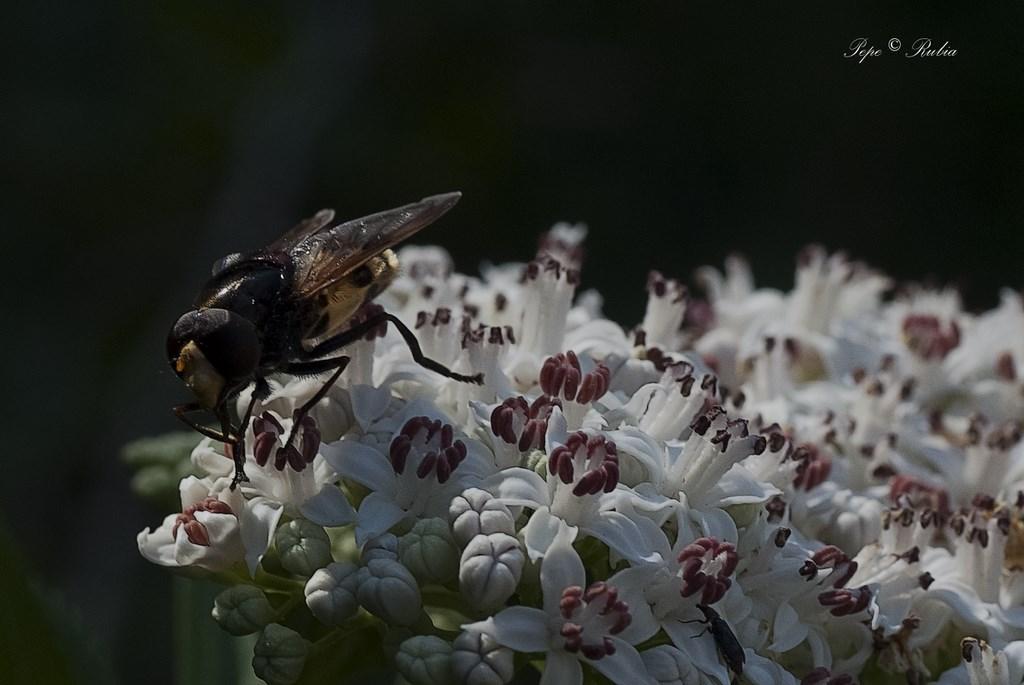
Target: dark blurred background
(144,140)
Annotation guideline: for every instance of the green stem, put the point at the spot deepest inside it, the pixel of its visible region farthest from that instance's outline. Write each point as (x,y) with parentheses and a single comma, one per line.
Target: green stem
(272,582)
(362,621)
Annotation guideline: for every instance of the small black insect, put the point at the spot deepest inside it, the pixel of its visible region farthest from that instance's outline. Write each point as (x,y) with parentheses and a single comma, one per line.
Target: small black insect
(287,308)
(728,646)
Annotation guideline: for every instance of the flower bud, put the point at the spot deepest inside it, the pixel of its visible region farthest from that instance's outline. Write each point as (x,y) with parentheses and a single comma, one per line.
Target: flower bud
(383,546)
(478,660)
(425,660)
(279,655)
(242,610)
(430,552)
(387,590)
(537,461)
(331,593)
(476,512)
(303,547)
(490,569)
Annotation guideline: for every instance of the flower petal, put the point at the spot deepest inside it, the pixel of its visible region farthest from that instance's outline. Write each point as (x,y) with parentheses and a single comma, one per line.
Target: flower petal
(258,522)
(560,569)
(369,404)
(631,583)
(361,463)
(788,630)
(624,667)
(540,532)
(377,514)
(701,651)
(561,668)
(329,507)
(632,539)
(518,487)
(524,629)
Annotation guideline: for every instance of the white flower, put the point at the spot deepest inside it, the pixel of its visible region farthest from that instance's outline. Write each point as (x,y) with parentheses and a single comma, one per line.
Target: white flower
(578,623)
(205,534)
(983,665)
(580,491)
(425,465)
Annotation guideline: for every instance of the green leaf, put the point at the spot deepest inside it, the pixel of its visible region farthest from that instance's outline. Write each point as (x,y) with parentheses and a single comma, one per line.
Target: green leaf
(30,648)
(203,653)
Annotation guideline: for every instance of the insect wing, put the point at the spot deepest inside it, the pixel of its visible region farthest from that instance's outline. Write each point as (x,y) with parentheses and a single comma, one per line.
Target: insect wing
(328,254)
(302,230)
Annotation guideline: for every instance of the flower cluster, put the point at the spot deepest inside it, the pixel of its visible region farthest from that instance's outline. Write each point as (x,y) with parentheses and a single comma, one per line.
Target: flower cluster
(819,486)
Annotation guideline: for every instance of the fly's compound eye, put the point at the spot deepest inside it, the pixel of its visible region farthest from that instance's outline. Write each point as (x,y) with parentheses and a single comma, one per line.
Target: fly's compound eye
(228,341)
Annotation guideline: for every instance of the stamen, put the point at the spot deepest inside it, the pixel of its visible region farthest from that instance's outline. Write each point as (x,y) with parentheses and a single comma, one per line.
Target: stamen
(846,601)
(591,616)
(666,307)
(431,444)
(194,529)
(911,492)
(814,467)
(924,336)
(366,312)
(521,424)
(1006,369)
(589,463)
(268,432)
(830,557)
(706,564)
(562,377)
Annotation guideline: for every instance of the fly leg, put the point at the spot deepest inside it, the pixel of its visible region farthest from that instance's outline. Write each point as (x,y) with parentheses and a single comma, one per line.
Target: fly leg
(359,330)
(234,441)
(236,446)
(312,368)
(182,410)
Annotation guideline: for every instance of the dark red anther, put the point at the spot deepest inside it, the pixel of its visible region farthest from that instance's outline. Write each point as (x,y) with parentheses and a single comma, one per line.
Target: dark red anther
(565,469)
(293,458)
(264,446)
(659,286)
(844,602)
(776,508)
(310,439)
(443,468)
(280,459)
(926,337)
(426,465)
(1006,368)
(695,558)
(266,422)
(398,453)
(918,493)
(370,311)
(594,384)
(813,469)
(195,531)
